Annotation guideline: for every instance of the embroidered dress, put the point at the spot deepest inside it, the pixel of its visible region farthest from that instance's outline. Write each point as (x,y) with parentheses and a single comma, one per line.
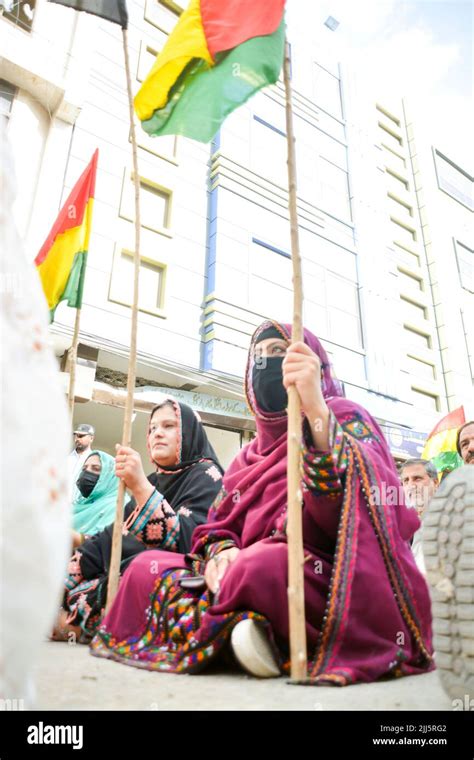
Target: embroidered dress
(367,606)
(181,500)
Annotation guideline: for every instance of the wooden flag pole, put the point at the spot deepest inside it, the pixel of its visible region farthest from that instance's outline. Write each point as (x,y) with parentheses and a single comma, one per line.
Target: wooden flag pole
(72,363)
(295,518)
(116,555)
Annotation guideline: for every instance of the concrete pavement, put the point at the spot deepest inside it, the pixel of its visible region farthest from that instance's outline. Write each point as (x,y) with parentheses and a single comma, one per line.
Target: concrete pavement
(69,678)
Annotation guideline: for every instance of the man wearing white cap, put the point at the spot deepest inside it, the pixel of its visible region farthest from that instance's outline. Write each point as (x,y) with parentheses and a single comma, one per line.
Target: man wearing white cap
(83,437)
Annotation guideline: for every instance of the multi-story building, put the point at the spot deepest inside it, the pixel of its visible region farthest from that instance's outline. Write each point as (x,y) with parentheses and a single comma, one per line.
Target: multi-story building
(215,253)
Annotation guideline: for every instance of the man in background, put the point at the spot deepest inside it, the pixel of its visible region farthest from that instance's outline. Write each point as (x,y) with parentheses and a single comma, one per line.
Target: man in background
(83,438)
(465,442)
(419,479)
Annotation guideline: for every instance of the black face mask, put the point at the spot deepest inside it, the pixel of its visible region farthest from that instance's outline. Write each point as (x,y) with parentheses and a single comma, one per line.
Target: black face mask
(86,482)
(267,382)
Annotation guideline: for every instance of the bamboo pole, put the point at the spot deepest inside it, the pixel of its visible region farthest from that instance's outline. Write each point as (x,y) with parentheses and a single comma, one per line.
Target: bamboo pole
(116,554)
(295,517)
(72,364)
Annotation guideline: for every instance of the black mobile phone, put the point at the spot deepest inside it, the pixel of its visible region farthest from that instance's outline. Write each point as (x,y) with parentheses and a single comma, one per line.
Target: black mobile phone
(194,582)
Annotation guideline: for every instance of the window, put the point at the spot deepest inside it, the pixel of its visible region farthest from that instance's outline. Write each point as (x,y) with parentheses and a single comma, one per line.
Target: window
(410,282)
(399,207)
(425,400)
(21,13)
(403,182)
(176,8)
(151,283)
(155,204)
(327,92)
(146,58)
(403,232)
(394,158)
(344,328)
(417,338)
(391,138)
(163,14)
(343,311)
(165,146)
(465,259)
(271,264)
(420,368)
(334,192)
(407,256)
(268,152)
(454,181)
(388,115)
(412,311)
(7,96)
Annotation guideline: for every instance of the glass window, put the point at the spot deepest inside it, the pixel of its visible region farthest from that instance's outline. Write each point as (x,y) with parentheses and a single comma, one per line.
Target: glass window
(403,233)
(21,13)
(416,338)
(269,263)
(403,182)
(388,115)
(268,152)
(268,298)
(147,58)
(163,14)
(399,208)
(454,181)
(344,328)
(420,368)
(425,400)
(342,293)
(465,258)
(176,8)
(154,206)
(409,282)
(151,283)
(412,311)
(165,146)
(327,92)
(394,158)
(7,96)
(334,189)
(406,256)
(390,138)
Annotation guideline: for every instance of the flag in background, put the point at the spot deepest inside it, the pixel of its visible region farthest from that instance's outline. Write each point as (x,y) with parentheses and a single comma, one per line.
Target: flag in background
(111,10)
(62,259)
(217,56)
(440,445)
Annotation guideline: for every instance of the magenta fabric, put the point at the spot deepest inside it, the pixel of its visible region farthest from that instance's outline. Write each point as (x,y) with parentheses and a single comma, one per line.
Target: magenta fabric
(379,620)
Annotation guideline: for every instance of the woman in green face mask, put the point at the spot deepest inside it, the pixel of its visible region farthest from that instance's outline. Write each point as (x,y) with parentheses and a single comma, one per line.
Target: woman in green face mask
(95,505)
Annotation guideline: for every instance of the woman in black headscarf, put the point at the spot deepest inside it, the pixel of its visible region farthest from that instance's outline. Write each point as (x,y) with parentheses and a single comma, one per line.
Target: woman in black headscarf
(165,508)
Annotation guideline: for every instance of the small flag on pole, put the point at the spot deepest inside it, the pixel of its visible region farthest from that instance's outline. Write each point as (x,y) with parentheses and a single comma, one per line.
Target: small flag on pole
(218,55)
(111,10)
(440,445)
(62,259)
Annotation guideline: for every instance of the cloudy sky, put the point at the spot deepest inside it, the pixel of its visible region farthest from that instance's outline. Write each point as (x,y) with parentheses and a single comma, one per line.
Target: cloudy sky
(421,49)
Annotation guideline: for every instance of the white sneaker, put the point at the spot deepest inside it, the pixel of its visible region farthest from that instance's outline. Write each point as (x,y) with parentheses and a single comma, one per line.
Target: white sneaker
(253,651)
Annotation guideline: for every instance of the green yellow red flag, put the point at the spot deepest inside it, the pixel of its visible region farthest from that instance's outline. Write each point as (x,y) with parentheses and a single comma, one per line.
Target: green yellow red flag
(217,56)
(440,445)
(62,259)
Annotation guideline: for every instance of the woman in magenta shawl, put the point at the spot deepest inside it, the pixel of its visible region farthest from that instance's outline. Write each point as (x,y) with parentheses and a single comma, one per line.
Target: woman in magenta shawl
(367,606)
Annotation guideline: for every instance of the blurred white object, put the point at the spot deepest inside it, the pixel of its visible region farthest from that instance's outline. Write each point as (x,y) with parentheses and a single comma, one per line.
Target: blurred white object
(35,519)
(28,11)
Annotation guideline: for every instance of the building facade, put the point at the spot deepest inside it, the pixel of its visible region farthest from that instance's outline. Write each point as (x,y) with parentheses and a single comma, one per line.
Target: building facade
(215,252)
